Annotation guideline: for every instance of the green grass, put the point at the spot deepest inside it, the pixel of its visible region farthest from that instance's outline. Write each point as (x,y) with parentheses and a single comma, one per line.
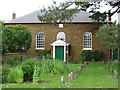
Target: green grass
(114,67)
(0,73)
(94,75)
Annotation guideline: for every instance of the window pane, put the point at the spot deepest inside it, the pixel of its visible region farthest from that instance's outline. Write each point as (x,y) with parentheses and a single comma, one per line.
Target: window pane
(87,40)
(61,36)
(40,40)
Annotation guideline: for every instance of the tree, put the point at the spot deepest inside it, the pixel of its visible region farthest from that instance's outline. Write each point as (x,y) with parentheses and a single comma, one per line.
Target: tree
(16,38)
(95,9)
(63,12)
(108,34)
(1,26)
(54,14)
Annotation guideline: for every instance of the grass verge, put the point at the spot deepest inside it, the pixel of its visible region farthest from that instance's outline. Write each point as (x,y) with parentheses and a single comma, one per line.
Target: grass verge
(93,76)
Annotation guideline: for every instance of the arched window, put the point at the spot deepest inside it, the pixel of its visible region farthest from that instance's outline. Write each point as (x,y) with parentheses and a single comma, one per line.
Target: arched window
(61,36)
(40,40)
(87,41)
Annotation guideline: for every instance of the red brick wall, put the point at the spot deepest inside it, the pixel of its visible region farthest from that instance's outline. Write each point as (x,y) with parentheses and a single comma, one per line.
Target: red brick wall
(74,36)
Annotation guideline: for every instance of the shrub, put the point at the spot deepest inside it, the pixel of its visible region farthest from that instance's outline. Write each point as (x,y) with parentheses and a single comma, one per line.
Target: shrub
(53,66)
(97,55)
(75,60)
(94,55)
(36,74)
(58,67)
(16,60)
(15,37)
(5,71)
(93,60)
(28,69)
(69,60)
(46,53)
(15,75)
(83,59)
(46,65)
(67,68)
(48,56)
(85,56)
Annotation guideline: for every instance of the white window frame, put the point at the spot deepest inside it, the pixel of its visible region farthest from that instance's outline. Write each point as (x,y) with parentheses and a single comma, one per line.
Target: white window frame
(40,40)
(64,36)
(88,41)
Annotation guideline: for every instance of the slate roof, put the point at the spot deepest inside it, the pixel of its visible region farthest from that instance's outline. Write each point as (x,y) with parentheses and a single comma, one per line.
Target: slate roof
(81,17)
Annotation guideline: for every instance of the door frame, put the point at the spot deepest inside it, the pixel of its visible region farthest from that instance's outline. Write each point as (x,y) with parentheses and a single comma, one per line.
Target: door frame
(118,54)
(60,43)
(55,51)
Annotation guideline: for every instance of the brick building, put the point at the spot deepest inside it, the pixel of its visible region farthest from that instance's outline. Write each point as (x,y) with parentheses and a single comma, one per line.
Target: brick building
(63,41)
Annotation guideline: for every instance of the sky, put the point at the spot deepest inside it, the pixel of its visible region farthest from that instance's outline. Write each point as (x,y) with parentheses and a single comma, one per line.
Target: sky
(23,7)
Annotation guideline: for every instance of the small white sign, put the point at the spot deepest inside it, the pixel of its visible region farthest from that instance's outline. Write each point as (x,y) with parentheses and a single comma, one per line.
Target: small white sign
(60,25)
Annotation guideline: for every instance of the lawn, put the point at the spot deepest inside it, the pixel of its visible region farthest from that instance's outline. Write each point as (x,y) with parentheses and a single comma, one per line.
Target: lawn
(94,75)
(0,77)
(114,67)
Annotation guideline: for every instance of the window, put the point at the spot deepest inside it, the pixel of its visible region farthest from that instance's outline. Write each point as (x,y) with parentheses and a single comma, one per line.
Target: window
(61,36)
(87,41)
(40,40)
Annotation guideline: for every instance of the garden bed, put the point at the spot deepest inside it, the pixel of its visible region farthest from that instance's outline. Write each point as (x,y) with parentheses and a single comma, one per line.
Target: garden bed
(93,76)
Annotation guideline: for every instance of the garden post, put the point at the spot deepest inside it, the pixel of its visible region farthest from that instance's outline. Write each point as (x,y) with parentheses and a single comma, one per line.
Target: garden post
(115,74)
(69,77)
(107,66)
(74,74)
(110,70)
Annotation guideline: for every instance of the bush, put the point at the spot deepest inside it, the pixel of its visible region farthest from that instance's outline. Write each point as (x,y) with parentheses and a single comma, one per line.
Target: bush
(94,55)
(5,72)
(15,37)
(28,69)
(75,61)
(97,55)
(69,60)
(85,56)
(48,56)
(83,59)
(59,67)
(16,75)
(36,75)
(46,53)
(15,60)
(53,66)
(46,65)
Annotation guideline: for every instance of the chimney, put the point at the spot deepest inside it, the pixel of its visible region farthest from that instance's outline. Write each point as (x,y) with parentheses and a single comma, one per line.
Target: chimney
(109,18)
(109,15)
(13,15)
